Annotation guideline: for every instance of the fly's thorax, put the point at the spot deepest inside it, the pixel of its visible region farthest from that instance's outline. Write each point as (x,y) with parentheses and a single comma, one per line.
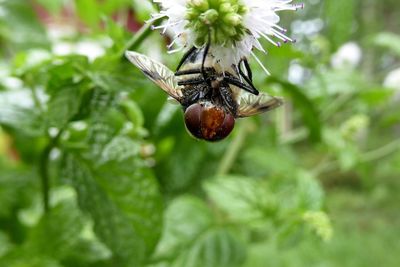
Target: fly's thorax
(195,59)
(216,82)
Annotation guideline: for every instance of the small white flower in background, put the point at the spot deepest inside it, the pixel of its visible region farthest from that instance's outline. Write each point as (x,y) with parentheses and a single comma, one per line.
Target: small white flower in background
(349,55)
(234,27)
(392,80)
(91,49)
(59,36)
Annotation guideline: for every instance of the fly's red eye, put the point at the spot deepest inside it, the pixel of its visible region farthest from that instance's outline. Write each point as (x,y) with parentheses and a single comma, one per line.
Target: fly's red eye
(209,123)
(226,127)
(192,119)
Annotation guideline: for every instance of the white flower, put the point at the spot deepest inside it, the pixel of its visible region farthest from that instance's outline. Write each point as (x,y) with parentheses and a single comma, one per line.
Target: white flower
(234,26)
(348,55)
(392,80)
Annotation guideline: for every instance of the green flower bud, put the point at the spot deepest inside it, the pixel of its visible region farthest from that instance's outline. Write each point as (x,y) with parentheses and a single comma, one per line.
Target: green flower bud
(233,19)
(225,8)
(200,4)
(222,18)
(353,128)
(209,17)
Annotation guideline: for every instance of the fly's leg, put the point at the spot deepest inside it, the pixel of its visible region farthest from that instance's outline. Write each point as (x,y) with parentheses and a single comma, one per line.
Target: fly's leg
(192,96)
(234,81)
(249,77)
(248,69)
(193,81)
(185,56)
(226,95)
(192,71)
(203,72)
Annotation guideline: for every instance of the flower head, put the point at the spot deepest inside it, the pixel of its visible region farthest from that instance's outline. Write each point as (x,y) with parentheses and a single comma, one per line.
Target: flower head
(233,27)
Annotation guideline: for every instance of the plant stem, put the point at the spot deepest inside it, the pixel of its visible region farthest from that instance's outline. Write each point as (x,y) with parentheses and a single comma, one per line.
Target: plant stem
(381,152)
(44,177)
(233,150)
(294,136)
(369,156)
(44,171)
(137,39)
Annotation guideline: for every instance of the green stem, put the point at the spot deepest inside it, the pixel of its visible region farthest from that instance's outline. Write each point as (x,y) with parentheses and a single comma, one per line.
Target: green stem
(233,150)
(294,136)
(336,105)
(381,152)
(372,155)
(44,171)
(137,39)
(140,35)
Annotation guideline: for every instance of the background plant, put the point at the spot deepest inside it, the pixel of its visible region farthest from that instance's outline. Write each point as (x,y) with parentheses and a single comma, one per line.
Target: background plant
(96,169)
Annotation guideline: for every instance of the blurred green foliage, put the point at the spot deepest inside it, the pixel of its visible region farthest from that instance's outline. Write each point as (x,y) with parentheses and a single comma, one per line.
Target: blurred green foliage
(97,169)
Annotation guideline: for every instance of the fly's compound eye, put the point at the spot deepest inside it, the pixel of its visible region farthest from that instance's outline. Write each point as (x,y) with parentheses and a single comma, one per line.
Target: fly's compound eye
(208,123)
(193,119)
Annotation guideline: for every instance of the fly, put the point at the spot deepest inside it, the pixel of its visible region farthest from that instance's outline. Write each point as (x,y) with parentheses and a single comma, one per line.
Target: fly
(211,97)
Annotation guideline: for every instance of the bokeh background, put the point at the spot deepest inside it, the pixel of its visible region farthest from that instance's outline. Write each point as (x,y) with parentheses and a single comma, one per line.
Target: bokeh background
(97,169)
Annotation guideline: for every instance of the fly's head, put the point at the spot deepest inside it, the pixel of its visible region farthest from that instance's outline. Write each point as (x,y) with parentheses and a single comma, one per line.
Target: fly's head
(207,121)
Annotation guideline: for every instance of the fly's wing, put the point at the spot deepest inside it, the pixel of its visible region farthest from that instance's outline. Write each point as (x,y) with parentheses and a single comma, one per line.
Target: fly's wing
(157,72)
(250,104)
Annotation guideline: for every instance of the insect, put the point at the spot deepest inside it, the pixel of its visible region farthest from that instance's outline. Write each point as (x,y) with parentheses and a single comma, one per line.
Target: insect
(212,98)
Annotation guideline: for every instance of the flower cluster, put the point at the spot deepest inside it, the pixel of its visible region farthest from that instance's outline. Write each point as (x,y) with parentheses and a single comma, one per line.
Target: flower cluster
(233,27)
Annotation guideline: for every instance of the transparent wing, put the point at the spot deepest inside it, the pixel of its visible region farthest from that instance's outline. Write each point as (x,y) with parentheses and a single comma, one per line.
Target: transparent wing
(250,104)
(157,72)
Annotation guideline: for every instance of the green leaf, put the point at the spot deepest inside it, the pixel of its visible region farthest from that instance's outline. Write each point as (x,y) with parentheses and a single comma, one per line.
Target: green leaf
(309,192)
(52,239)
(89,12)
(17,185)
(389,41)
(124,203)
(309,113)
(62,106)
(61,72)
(217,247)
(334,82)
(261,162)
(339,17)
(347,152)
(5,244)
(143,9)
(377,96)
(53,6)
(57,233)
(243,199)
(110,7)
(191,239)
(119,149)
(18,115)
(20,260)
(22,30)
